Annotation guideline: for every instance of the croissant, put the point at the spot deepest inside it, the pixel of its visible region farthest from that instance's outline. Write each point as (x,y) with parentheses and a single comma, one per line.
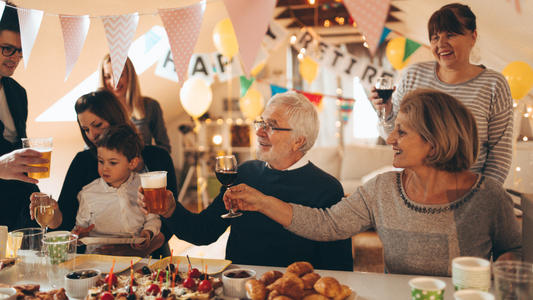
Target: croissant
(270,277)
(300,268)
(328,286)
(289,285)
(256,289)
(309,280)
(345,292)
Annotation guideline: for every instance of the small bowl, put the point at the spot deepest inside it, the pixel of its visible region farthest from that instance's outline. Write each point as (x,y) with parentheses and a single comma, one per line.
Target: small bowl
(78,288)
(10,292)
(234,287)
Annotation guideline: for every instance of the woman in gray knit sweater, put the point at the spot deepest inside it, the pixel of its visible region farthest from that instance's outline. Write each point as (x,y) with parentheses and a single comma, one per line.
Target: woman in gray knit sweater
(434,210)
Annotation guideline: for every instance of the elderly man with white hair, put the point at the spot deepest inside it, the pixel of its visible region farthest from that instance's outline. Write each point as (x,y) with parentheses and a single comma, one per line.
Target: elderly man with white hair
(287,130)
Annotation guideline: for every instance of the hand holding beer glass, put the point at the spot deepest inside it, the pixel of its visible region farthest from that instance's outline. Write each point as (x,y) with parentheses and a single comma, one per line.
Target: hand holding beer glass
(154,186)
(43,145)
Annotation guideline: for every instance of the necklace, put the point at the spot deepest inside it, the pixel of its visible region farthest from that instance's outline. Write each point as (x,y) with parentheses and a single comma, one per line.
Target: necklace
(426,210)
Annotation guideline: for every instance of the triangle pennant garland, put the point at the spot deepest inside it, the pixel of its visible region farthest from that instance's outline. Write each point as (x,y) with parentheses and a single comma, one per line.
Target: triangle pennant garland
(183,27)
(30,22)
(346,108)
(119,31)
(316,99)
(2,7)
(151,39)
(277,89)
(250,21)
(384,34)
(74,30)
(410,48)
(370,16)
(245,84)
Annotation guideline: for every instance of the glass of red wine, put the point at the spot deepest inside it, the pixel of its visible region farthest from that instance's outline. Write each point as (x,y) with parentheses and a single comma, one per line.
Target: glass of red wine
(226,171)
(384,90)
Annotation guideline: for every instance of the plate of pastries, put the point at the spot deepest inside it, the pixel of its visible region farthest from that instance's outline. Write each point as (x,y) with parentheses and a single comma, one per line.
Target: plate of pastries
(299,282)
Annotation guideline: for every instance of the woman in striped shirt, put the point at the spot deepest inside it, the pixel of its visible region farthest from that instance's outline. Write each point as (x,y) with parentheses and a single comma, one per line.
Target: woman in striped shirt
(453,34)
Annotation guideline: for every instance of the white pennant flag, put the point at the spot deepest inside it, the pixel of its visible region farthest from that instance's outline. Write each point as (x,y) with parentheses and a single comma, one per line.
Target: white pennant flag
(119,31)
(74,30)
(30,22)
(2,7)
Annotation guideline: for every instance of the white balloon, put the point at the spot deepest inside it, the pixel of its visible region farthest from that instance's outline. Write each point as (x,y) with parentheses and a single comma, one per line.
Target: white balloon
(195,96)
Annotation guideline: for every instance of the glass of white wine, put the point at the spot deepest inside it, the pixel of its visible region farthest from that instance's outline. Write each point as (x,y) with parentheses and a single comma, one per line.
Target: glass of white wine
(43,210)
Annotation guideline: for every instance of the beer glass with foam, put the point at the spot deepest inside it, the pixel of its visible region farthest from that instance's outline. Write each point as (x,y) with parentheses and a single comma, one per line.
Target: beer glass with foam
(43,145)
(155,191)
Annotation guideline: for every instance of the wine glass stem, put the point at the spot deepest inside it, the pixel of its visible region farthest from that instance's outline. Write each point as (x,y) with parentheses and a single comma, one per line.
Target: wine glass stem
(383,115)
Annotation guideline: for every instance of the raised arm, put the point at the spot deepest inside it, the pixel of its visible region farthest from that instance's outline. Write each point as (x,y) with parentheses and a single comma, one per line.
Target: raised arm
(14,164)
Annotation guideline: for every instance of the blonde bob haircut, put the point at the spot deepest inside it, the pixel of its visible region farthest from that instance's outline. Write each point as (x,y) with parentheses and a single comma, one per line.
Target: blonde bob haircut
(447,125)
(133,93)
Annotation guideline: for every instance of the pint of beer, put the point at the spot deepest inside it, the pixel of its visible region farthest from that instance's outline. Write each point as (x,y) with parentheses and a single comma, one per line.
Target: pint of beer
(155,191)
(43,145)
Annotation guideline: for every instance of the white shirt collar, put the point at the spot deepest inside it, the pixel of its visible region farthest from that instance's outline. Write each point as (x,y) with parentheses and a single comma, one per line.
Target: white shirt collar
(300,163)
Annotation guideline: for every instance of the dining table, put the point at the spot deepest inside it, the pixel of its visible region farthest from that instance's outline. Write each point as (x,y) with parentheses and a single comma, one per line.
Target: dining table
(365,286)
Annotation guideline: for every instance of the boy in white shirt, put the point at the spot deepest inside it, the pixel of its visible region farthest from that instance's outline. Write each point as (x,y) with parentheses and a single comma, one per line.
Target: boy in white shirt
(108,206)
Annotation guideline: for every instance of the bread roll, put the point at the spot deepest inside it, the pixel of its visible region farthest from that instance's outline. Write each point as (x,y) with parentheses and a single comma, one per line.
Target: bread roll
(256,289)
(328,286)
(282,297)
(345,292)
(315,297)
(300,268)
(270,277)
(273,294)
(309,280)
(289,285)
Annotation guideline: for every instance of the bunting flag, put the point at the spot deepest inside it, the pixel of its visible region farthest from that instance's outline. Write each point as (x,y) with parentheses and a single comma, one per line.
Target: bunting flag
(384,34)
(183,27)
(245,84)
(119,31)
(151,39)
(316,99)
(410,48)
(2,7)
(74,30)
(277,89)
(370,16)
(30,22)
(250,21)
(346,108)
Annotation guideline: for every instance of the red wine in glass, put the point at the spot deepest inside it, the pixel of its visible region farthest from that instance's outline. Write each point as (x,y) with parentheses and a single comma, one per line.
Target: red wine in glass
(226,171)
(384,90)
(385,94)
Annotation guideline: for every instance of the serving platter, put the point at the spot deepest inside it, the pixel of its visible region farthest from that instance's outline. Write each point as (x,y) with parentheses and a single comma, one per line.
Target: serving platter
(101,262)
(214,266)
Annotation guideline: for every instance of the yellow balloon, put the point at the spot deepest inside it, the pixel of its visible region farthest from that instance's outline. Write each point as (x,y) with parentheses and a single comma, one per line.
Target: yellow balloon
(308,69)
(225,39)
(395,51)
(252,103)
(195,96)
(258,68)
(519,75)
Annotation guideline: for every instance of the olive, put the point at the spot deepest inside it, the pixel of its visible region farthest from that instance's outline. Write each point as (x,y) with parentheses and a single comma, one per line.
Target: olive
(146,270)
(131,297)
(105,287)
(83,277)
(72,275)
(165,293)
(84,273)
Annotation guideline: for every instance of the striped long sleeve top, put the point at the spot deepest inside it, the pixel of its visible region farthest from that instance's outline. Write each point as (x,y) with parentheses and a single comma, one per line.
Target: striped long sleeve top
(487,96)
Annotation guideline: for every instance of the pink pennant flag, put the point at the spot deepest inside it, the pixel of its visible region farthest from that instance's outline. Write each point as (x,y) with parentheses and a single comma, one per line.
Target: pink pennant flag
(119,31)
(183,26)
(30,22)
(250,21)
(74,30)
(370,16)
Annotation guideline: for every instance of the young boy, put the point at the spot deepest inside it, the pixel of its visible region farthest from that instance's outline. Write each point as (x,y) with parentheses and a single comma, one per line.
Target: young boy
(108,206)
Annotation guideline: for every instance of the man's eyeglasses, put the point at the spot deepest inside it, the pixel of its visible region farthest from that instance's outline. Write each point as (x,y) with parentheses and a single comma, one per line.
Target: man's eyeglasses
(10,50)
(267,127)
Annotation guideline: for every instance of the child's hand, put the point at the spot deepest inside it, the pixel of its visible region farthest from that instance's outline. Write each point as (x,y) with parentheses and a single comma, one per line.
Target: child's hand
(145,244)
(82,232)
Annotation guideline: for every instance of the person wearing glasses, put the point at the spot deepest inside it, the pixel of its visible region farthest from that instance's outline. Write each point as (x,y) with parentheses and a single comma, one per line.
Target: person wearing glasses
(15,185)
(288,129)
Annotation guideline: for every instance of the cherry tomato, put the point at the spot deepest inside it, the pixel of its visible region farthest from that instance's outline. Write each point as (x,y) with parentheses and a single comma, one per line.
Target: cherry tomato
(107,296)
(189,283)
(194,273)
(153,289)
(205,286)
(114,279)
(161,275)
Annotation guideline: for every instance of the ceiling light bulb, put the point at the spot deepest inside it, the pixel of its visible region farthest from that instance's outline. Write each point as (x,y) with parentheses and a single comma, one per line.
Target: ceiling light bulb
(326,23)
(311,2)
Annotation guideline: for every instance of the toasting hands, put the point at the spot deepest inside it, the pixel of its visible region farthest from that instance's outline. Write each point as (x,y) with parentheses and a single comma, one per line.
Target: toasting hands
(171,203)
(13,165)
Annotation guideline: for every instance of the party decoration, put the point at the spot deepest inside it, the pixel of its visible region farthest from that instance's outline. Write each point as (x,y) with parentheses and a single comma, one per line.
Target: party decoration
(308,69)
(74,30)
(384,35)
(225,39)
(316,99)
(410,48)
(346,108)
(245,84)
(258,68)
(151,39)
(519,75)
(250,20)
(119,31)
(370,16)
(252,103)
(30,22)
(395,52)
(277,89)
(195,97)
(183,26)
(2,7)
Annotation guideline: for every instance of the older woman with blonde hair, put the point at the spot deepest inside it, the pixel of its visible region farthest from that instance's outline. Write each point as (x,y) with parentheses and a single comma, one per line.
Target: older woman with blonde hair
(434,210)
(145,112)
